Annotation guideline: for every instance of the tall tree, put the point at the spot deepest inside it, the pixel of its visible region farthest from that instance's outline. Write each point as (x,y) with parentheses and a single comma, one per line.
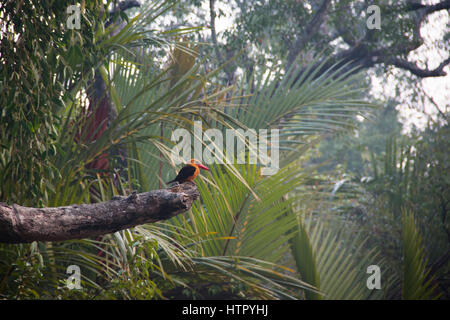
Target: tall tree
(271,31)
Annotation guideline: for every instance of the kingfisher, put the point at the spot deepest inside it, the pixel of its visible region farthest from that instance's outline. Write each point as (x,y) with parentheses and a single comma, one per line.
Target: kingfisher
(189,172)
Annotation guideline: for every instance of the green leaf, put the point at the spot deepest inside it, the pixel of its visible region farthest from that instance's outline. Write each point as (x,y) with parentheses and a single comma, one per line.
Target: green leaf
(417,281)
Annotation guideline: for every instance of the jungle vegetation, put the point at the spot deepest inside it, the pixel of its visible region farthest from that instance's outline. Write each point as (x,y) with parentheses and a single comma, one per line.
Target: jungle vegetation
(87,114)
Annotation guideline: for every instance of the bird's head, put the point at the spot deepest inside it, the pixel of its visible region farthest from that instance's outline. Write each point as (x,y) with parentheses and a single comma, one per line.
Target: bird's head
(198,164)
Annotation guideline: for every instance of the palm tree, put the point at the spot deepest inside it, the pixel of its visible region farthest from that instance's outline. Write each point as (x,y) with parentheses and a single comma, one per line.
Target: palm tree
(246,237)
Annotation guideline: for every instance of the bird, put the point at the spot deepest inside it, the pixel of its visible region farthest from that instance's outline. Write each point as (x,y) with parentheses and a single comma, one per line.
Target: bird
(189,172)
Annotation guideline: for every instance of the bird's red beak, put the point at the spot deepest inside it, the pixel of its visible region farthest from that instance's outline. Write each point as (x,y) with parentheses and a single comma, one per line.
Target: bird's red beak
(203,167)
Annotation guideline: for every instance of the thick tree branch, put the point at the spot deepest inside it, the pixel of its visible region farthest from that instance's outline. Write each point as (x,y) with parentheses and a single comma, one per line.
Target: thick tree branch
(23,224)
(309,32)
(444,5)
(362,53)
(428,9)
(414,69)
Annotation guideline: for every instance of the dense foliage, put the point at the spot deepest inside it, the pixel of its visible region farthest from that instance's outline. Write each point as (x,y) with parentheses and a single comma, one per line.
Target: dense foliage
(88,113)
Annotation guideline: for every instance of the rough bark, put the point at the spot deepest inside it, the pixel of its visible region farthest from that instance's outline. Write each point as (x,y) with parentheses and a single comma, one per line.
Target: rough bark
(24,224)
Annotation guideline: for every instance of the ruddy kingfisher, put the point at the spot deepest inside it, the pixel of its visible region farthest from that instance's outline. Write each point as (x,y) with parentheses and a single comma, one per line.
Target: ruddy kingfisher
(189,172)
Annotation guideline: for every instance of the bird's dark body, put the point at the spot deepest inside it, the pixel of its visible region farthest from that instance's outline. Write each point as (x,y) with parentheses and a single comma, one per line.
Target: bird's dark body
(187,173)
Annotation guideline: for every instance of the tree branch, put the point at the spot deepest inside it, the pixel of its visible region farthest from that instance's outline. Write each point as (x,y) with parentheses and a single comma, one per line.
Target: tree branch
(309,32)
(414,69)
(362,54)
(24,224)
(428,9)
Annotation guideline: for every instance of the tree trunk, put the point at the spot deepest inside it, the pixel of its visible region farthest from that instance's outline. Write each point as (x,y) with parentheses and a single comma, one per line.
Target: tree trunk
(23,224)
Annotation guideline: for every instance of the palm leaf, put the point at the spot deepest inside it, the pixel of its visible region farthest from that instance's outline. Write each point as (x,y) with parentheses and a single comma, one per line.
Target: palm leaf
(305,260)
(339,263)
(417,281)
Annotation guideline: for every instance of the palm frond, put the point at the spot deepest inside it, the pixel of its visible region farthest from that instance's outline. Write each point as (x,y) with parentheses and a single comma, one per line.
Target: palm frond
(305,260)
(417,281)
(340,265)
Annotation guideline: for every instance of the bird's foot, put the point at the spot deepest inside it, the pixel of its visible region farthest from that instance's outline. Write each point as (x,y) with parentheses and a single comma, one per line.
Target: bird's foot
(132,196)
(174,186)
